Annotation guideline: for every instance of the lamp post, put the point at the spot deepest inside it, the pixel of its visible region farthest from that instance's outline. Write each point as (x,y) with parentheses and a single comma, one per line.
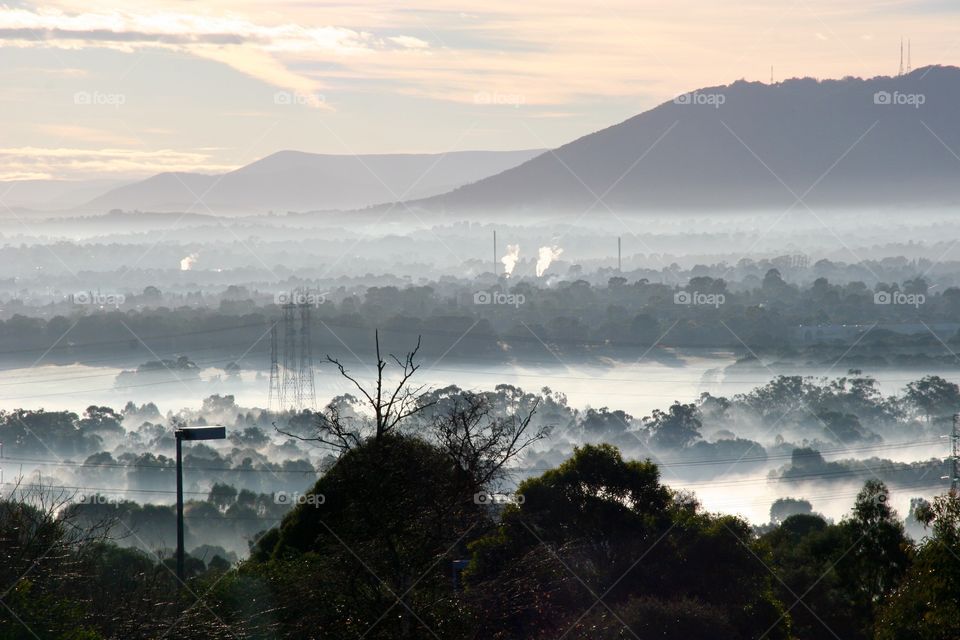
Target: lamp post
(189,433)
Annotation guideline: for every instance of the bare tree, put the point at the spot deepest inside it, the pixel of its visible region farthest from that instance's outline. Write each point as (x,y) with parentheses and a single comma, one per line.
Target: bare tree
(390,404)
(480,442)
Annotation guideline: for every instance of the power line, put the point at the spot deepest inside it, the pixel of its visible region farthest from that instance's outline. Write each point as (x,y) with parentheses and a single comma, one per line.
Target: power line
(785,456)
(118,465)
(503,374)
(955,454)
(789,479)
(800,477)
(84,345)
(28,374)
(456,334)
(660,463)
(104,489)
(40,380)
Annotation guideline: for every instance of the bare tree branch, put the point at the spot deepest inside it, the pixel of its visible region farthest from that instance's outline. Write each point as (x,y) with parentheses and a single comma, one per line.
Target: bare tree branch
(481,443)
(389,407)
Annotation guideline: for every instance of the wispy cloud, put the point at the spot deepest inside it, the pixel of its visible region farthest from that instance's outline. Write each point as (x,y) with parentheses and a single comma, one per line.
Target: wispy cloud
(550,52)
(20,163)
(76,133)
(250,47)
(496,68)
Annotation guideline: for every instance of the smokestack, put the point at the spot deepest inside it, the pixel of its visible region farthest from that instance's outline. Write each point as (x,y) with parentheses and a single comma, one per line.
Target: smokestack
(494,252)
(619,256)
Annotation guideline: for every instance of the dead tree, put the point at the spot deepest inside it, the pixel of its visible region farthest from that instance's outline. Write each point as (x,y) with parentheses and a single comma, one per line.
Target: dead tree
(480,442)
(389,404)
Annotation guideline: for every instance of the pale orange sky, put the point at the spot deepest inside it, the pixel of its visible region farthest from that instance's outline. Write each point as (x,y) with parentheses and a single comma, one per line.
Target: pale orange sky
(123,89)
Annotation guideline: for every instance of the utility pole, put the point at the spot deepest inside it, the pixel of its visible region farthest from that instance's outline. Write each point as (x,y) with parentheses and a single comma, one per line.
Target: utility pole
(179,508)
(188,433)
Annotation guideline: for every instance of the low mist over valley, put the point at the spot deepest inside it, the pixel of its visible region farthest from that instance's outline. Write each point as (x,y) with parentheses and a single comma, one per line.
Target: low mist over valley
(369,321)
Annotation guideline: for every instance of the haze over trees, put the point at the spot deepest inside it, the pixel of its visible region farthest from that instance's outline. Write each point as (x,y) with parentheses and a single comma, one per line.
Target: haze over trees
(756,448)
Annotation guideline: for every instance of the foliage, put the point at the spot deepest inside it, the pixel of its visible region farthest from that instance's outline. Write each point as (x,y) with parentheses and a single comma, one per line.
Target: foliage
(924,607)
(600,527)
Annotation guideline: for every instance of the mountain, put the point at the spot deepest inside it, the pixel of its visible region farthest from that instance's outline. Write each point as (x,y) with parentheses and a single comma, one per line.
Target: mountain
(298,181)
(51,195)
(884,141)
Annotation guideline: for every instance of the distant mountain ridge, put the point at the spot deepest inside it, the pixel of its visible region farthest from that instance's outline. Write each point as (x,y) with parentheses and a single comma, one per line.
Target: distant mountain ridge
(882,141)
(51,195)
(300,181)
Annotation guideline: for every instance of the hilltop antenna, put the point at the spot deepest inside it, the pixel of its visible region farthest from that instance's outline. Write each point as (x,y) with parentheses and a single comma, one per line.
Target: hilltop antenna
(901,57)
(909,64)
(771,74)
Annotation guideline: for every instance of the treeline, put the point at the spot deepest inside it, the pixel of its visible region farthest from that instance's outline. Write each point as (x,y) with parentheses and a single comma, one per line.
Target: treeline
(269,451)
(786,424)
(133,450)
(414,531)
(400,546)
(488,318)
(223,524)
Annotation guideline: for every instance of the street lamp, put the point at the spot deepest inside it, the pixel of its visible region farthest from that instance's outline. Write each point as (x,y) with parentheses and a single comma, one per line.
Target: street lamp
(189,433)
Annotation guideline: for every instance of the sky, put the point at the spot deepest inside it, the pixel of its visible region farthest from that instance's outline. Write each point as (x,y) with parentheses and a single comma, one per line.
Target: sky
(119,90)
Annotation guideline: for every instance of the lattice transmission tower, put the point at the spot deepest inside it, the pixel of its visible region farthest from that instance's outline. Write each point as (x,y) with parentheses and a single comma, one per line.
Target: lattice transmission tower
(292,383)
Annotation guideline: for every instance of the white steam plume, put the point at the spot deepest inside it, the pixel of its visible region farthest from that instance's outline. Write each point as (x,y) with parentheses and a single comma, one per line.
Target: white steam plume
(546,256)
(187,263)
(510,259)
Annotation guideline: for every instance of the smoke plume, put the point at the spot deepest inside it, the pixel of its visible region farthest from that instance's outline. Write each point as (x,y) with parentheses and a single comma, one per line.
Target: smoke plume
(546,256)
(510,259)
(187,263)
